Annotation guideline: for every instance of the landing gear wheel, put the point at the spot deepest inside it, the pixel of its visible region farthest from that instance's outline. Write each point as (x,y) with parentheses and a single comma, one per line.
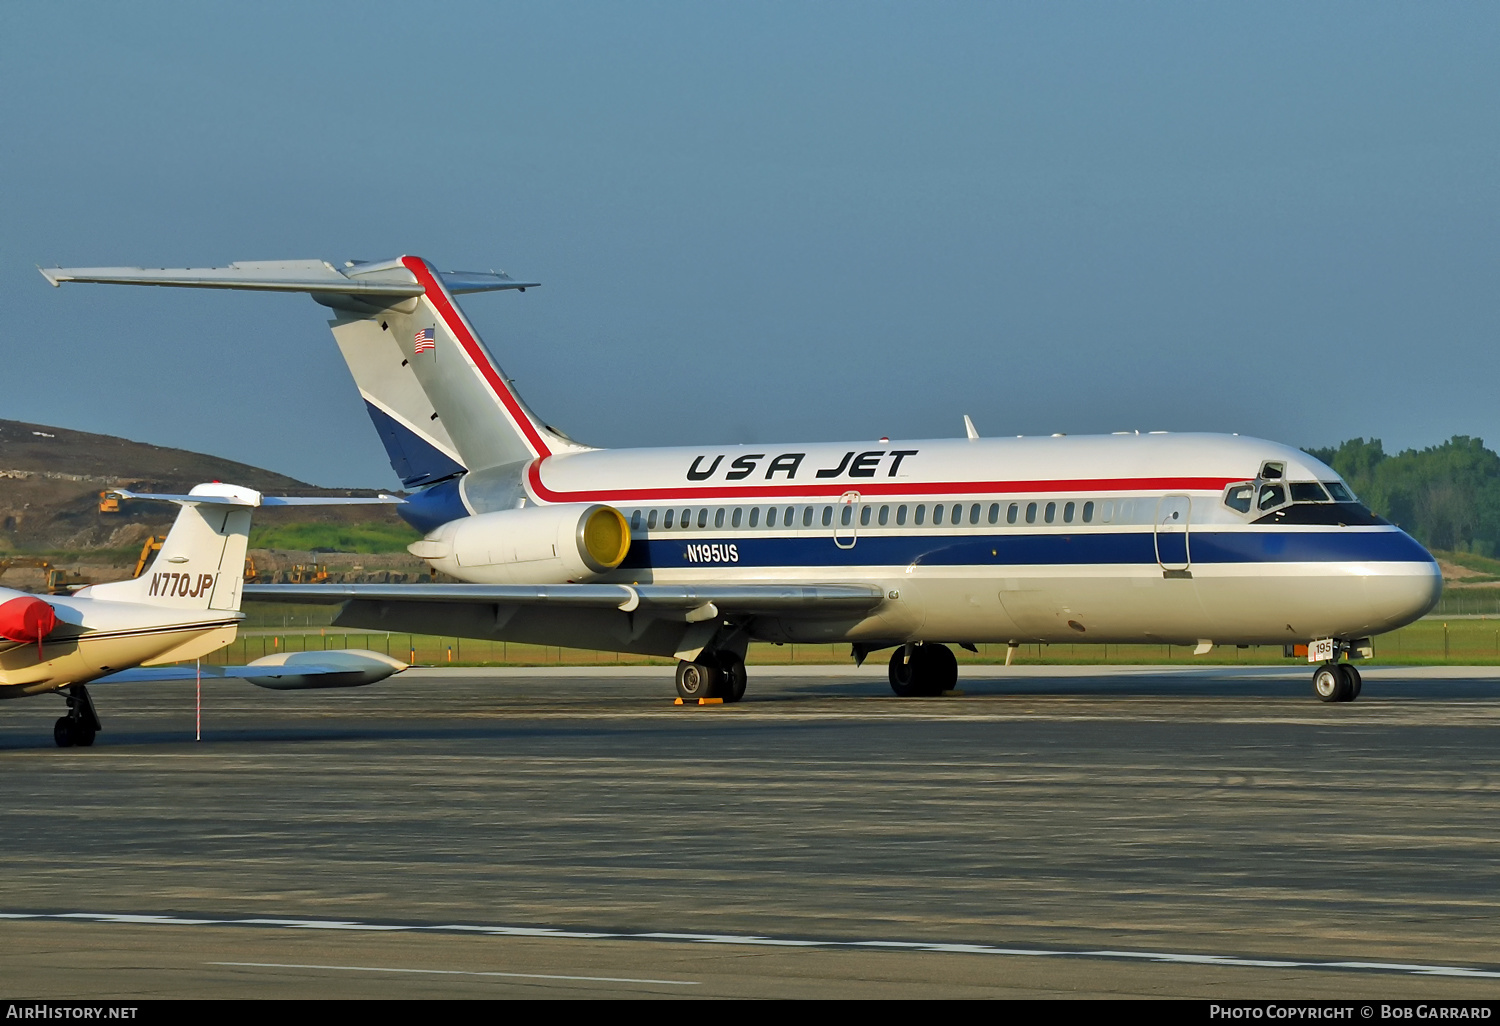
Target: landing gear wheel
(732,677)
(942,669)
(1355,680)
(931,670)
(903,672)
(1332,683)
(81,723)
(697,680)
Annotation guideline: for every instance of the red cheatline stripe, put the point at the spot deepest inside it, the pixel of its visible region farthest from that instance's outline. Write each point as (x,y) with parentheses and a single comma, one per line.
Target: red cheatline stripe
(438,296)
(832,490)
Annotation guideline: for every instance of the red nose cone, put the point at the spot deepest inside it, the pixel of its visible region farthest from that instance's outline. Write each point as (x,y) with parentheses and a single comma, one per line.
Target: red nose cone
(26,619)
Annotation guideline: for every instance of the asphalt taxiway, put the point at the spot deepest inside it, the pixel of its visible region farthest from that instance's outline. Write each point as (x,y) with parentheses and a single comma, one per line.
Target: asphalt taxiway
(1211,832)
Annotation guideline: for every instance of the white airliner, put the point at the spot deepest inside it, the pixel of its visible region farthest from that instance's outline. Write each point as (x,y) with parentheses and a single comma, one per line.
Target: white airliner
(184,606)
(1194,539)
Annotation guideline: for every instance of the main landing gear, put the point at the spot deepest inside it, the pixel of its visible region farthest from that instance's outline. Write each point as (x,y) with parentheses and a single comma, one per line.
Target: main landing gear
(718,675)
(1337,682)
(81,723)
(924,669)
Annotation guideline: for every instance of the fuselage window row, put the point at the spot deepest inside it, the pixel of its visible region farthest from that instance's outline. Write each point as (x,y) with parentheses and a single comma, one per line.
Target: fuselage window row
(1046,512)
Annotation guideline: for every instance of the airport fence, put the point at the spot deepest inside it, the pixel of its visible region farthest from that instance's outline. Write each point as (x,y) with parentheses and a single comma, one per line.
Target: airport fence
(1468,602)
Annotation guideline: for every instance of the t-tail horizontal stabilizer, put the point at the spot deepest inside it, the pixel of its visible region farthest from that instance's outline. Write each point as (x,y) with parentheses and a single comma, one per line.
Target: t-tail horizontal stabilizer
(387,278)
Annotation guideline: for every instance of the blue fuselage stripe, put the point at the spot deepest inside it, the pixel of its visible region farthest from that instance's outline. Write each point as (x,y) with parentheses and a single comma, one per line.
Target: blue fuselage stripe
(694,548)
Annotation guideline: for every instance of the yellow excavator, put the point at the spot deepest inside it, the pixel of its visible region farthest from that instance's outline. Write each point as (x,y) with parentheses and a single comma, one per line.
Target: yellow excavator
(300,573)
(59,581)
(149,549)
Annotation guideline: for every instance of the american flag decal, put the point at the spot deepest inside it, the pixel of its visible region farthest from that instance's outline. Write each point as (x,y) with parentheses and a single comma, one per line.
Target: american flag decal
(424,341)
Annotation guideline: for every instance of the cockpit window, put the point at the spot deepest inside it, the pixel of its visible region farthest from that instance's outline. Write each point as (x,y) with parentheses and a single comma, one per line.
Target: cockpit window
(1308,491)
(1271,496)
(1270,471)
(1339,492)
(1239,496)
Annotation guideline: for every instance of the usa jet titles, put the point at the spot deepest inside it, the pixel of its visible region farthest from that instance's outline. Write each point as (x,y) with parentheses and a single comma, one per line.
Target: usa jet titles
(854,464)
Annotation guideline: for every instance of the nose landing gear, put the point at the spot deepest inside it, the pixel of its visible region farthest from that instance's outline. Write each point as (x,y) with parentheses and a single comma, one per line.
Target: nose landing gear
(81,723)
(1337,682)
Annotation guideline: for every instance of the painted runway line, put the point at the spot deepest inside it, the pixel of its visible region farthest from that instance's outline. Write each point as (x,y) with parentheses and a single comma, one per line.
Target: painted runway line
(456,972)
(756,940)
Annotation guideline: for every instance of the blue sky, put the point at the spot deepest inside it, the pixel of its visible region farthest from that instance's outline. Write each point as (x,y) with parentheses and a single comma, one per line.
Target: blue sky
(769,222)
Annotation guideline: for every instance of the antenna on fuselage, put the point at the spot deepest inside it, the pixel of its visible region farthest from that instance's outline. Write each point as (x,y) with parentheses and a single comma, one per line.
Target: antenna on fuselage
(969,429)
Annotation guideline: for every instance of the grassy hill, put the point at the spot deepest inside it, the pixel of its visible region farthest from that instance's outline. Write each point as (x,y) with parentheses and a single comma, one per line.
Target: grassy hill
(51,477)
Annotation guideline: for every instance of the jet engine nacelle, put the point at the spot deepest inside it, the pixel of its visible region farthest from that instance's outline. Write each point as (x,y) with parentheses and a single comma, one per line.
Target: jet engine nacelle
(27,618)
(559,544)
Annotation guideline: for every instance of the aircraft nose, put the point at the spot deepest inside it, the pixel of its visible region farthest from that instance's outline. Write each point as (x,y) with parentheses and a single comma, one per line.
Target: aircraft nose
(1402,593)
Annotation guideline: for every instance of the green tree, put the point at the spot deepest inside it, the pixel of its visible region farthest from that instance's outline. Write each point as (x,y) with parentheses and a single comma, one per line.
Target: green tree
(1447,496)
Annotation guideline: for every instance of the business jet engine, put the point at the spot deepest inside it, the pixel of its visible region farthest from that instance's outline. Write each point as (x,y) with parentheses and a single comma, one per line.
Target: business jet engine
(27,619)
(559,544)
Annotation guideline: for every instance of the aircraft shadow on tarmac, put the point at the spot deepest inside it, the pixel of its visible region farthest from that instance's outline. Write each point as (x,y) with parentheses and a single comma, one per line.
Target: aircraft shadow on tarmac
(1202,684)
(313,734)
(497,733)
(509,720)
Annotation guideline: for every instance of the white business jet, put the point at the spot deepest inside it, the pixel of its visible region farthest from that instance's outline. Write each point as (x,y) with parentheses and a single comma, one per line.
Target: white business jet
(1193,539)
(184,606)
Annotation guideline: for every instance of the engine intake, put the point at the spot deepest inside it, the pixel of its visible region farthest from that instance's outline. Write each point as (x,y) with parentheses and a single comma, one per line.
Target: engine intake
(534,545)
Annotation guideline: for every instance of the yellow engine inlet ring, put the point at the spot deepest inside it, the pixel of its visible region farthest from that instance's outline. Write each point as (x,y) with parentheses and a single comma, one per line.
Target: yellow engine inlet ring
(603,538)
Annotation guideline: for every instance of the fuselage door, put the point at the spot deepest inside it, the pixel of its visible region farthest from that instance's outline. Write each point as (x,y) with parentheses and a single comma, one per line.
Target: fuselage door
(846,521)
(1172,531)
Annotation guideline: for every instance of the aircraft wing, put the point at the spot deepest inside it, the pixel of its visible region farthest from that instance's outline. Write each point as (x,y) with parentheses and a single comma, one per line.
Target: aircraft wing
(695,602)
(287,671)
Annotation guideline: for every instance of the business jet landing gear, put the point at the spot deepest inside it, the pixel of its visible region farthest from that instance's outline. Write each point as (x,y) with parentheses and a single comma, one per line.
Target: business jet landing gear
(712,675)
(81,723)
(1337,682)
(924,669)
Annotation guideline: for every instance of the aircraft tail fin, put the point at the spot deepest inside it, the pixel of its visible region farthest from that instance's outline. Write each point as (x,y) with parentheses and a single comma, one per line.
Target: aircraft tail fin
(201,564)
(439,401)
(438,398)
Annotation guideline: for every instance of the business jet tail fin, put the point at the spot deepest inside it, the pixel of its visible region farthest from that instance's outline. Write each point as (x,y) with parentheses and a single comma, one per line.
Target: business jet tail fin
(201,562)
